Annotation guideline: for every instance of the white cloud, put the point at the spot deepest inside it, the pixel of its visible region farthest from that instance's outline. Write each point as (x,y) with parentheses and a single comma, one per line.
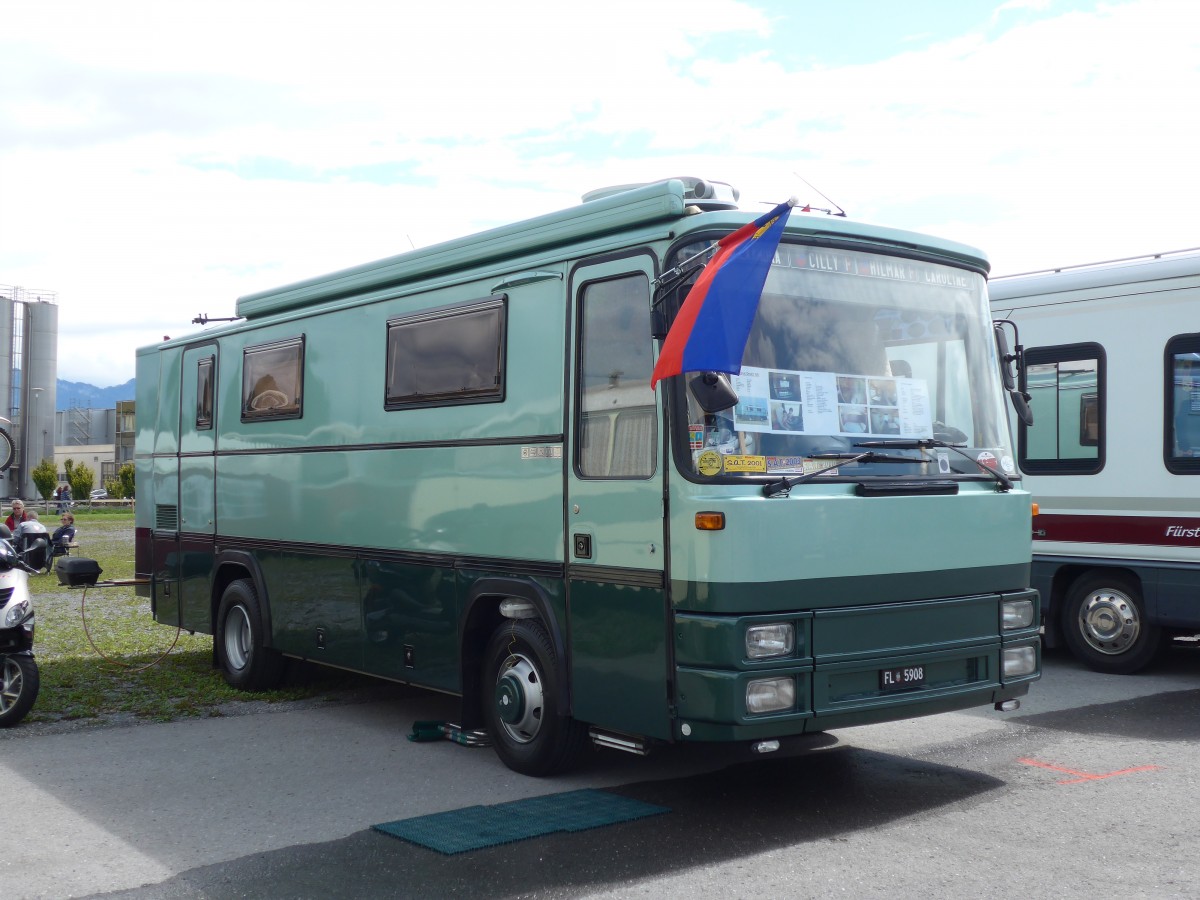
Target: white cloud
(156,164)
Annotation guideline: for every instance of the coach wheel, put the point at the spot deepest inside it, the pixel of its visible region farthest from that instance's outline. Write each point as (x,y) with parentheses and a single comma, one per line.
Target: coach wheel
(521,678)
(245,661)
(1105,624)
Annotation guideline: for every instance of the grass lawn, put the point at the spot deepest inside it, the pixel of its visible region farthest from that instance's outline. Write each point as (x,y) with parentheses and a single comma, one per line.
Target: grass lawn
(125,675)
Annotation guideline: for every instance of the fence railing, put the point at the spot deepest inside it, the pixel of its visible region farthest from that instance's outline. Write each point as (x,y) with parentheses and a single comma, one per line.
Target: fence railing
(53,505)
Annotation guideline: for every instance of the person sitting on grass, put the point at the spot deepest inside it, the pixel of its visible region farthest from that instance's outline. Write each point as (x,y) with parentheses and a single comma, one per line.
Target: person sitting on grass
(64,534)
(31,541)
(17,517)
(60,541)
(29,525)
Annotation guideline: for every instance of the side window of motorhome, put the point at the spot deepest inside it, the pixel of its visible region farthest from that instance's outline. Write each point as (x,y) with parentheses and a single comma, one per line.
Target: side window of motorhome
(204,394)
(1183,404)
(273,381)
(1066,388)
(447,356)
(616,422)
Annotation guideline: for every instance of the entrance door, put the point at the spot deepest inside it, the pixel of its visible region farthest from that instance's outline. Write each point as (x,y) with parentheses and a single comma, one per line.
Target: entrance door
(197,474)
(615,508)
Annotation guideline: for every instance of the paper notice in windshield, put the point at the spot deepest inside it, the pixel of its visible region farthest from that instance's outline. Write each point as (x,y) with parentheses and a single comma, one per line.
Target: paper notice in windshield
(787,402)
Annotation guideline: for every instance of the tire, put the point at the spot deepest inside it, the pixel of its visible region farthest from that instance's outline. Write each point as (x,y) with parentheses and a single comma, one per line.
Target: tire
(246,662)
(19,684)
(520,690)
(1104,624)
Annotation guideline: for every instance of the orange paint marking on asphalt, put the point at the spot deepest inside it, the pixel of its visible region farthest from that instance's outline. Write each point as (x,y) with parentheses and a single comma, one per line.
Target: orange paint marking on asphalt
(1085,776)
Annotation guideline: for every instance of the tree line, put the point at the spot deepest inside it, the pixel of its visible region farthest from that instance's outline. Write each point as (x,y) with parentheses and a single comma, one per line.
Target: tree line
(82,479)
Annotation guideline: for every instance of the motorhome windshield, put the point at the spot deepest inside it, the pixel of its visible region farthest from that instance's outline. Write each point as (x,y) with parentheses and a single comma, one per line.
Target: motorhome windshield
(849,346)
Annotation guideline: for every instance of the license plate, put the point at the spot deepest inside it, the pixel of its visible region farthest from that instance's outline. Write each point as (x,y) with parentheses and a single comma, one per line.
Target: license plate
(901,678)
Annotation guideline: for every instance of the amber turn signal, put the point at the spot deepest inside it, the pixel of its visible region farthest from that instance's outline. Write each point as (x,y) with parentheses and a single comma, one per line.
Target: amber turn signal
(1035,509)
(710,521)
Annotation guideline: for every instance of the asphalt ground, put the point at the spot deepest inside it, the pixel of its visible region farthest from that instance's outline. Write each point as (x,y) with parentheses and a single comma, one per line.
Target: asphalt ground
(1089,790)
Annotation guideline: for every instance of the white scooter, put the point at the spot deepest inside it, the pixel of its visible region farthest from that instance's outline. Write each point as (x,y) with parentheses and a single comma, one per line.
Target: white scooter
(19,679)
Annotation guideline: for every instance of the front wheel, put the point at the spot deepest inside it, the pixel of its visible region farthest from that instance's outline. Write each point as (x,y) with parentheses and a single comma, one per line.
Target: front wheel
(245,660)
(1105,624)
(532,734)
(19,683)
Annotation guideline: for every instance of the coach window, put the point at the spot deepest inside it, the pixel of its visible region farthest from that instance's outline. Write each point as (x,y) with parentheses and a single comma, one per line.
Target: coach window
(204,394)
(1067,396)
(1181,448)
(447,356)
(617,424)
(273,381)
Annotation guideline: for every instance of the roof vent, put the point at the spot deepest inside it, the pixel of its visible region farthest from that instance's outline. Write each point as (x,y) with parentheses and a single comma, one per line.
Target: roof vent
(696,192)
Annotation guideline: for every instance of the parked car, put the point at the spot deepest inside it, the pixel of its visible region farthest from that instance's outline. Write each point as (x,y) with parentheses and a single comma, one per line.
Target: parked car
(99,494)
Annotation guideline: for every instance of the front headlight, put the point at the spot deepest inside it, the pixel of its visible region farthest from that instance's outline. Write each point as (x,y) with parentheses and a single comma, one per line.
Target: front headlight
(16,614)
(765,695)
(1018,661)
(1016,614)
(776,639)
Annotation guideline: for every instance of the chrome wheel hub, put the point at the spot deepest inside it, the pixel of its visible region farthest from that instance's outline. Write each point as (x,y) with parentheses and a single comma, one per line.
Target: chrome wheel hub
(519,699)
(11,681)
(1109,622)
(237,638)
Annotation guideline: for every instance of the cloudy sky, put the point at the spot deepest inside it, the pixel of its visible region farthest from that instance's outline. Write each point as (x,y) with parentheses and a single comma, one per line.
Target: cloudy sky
(159,160)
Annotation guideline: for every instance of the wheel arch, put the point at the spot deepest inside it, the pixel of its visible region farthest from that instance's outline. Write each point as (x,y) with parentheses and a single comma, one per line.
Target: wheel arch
(481,617)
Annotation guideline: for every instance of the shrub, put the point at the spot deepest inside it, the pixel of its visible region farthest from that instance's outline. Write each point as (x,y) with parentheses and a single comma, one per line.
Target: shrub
(81,478)
(45,478)
(125,477)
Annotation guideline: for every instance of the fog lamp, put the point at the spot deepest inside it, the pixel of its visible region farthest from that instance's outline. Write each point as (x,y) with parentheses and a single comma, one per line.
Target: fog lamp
(1017,661)
(775,639)
(770,695)
(1016,614)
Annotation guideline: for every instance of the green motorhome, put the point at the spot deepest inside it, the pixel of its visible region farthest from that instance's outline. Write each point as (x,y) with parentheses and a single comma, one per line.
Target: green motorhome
(448,468)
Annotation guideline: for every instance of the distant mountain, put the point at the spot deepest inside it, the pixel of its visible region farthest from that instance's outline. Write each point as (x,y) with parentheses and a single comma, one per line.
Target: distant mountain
(72,394)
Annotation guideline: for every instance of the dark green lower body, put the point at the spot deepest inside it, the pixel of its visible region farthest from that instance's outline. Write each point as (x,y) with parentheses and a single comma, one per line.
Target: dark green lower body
(635,664)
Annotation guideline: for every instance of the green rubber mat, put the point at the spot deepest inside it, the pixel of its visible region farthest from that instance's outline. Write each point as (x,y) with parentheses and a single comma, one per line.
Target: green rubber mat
(476,827)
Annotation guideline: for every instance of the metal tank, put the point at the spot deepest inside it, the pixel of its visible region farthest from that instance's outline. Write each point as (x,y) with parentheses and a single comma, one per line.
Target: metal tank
(39,395)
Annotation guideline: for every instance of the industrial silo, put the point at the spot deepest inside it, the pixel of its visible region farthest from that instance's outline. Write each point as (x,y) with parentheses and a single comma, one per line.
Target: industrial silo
(38,389)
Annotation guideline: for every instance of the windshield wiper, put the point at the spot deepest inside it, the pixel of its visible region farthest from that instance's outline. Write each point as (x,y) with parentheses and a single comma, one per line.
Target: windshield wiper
(929,443)
(783,486)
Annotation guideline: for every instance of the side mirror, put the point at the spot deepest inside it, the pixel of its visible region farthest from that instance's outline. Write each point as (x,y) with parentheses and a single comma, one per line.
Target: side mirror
(1007,358)
(713,392)
(1015,385)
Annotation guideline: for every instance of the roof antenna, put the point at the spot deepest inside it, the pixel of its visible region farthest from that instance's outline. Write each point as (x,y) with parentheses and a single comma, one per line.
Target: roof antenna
(840,212)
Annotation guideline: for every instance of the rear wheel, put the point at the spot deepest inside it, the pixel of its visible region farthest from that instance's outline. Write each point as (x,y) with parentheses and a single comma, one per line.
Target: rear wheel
(245,661)
(532,734)
(19,684)
(1105,624)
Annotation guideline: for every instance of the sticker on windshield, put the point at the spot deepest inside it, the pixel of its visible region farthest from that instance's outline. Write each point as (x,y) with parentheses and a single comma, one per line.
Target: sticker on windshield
(986,460)
(696,437)
(787,465)
(734,463)
(709,463)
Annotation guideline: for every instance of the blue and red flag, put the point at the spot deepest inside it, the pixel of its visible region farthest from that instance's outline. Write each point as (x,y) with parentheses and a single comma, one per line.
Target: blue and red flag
(711,330)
